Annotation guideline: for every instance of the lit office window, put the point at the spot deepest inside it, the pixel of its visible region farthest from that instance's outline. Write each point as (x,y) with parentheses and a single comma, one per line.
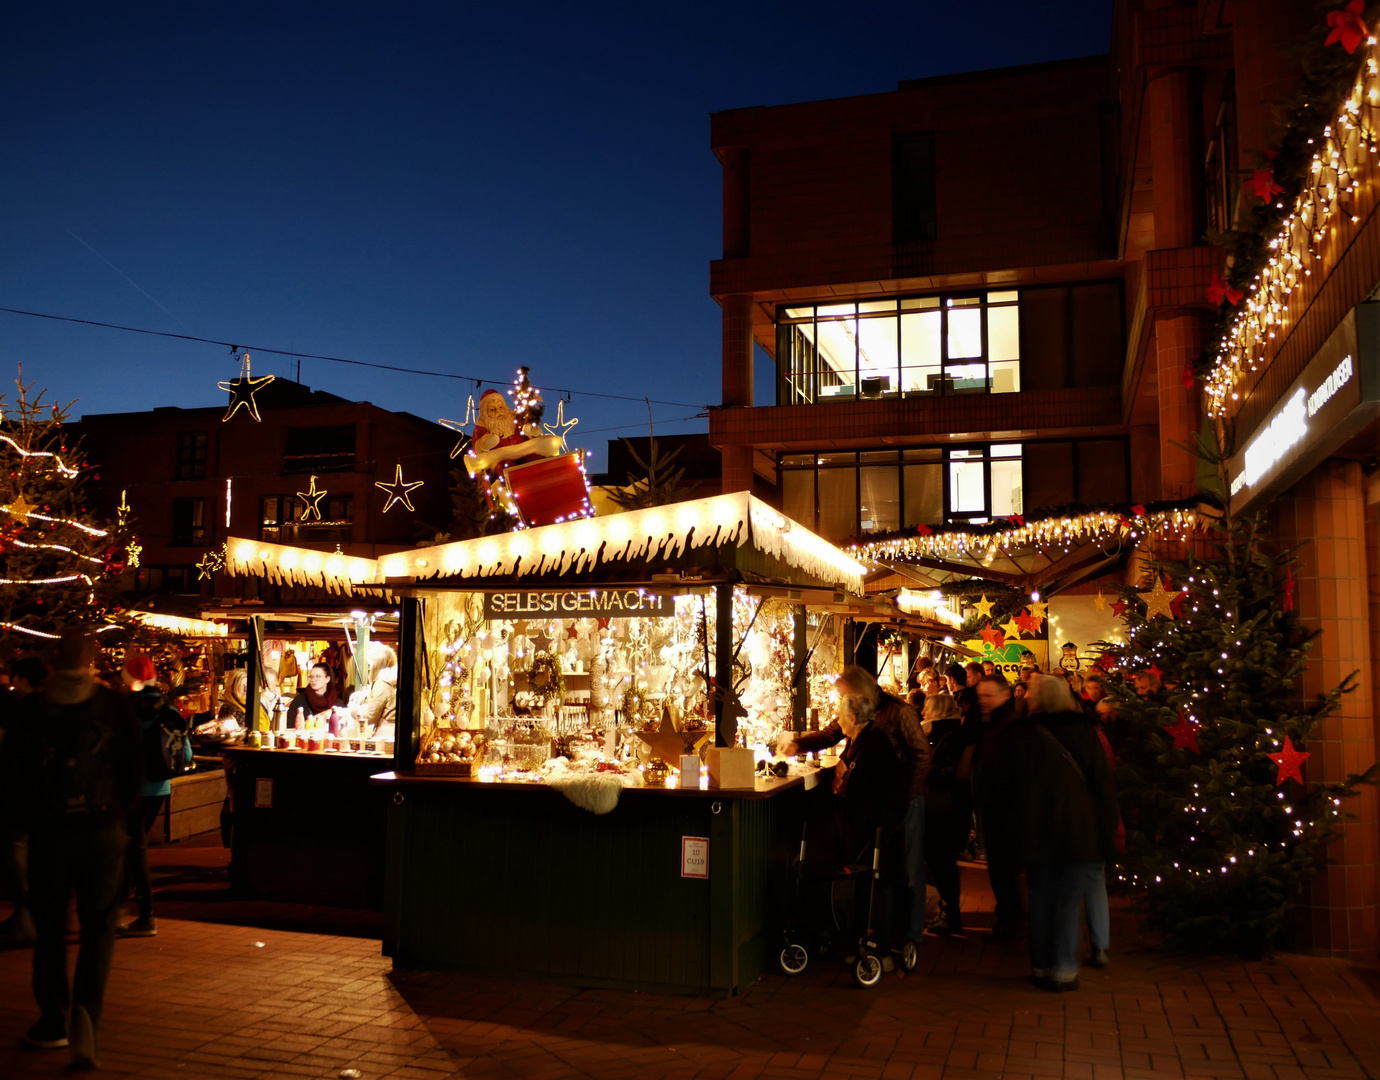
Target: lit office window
(984,482)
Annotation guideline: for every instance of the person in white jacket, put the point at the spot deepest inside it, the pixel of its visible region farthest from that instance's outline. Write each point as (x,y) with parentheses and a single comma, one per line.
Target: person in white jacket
(375,707)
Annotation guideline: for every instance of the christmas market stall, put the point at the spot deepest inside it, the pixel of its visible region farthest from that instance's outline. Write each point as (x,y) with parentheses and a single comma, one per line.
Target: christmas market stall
(581,762)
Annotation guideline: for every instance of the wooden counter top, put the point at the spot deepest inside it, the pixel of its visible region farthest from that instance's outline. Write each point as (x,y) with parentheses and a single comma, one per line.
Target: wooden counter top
(765,787)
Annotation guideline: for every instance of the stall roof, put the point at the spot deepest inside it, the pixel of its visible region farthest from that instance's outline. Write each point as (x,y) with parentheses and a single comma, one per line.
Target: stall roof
(743,532)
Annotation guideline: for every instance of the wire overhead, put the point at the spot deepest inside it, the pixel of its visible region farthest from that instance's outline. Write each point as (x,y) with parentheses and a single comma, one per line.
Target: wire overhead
(342,360)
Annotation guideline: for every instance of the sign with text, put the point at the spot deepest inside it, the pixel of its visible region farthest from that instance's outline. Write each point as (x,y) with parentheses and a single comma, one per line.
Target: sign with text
(694,856)
(263,793)
(1328,404)
(599,601)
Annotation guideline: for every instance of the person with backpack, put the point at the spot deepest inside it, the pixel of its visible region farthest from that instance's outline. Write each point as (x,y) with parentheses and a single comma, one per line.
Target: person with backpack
(76,751)
(167,751)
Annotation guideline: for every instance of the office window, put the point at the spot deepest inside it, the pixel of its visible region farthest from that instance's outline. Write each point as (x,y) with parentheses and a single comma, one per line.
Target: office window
(962,344)
(839,495)
(189,522)
(1071,336)
(983,482)
(913,217)
(282,520)
(326,449)
(191,455)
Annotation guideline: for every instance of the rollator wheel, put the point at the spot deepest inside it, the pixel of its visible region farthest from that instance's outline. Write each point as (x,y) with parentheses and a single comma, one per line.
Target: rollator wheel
(868,970)
(793,959)
(910,955)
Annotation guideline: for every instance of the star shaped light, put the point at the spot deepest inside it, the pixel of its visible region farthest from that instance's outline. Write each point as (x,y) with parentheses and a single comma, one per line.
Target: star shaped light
(312,498)
(398,491)
(21,507)
(1011,628)
(669,744)
(123,512)
(242,391)
(984,607)
(465,438)
(1099,601)
(132,552)
(1038,609)
(1157,601)
(1029,623)
(210,563)
(994,637)
(1289,760)
(562,426)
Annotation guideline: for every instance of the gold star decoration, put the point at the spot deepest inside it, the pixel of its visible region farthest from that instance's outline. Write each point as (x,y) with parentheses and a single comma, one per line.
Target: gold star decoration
(312,498)
(984,607)
(123,511)
(562,426)
(133,550)
(1010,629)
(210,563)
(398,491)
(669,744)
(21,507)
(1157,600)
(1099,601)
(242,391)
(1037,609)
(459,447)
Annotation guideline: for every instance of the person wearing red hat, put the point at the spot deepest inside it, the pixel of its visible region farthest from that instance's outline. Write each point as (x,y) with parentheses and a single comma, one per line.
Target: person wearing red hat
(155,714)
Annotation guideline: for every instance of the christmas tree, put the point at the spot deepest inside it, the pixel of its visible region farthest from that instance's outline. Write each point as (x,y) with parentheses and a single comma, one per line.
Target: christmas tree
(58,565)
(660,483)
(1222,832)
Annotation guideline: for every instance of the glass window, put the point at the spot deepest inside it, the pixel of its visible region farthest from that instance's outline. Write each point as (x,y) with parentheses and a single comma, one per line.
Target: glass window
(191,455)
(798,496)
(1006,488)
(967,487)
(877,354)
(984,482)
(188,522)
(921,356)
(838,502)
(877,305)
(965,329)
(923,493)
(325,449)
(1102,471)
(879,501)
(1004,333)
(913,214)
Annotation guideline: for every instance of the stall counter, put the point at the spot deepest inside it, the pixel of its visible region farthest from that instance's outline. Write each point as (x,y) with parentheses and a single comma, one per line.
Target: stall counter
(513,880)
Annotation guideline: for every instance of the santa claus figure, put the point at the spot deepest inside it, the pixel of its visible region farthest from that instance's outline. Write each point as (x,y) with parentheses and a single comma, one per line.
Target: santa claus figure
(498,442)
(495,425)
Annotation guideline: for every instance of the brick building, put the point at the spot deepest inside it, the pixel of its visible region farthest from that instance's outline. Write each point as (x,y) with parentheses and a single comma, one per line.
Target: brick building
(981,293)
(191,480)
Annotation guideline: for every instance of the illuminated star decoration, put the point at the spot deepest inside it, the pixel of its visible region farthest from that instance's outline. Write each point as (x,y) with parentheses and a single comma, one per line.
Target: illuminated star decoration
(1012,628)
(123,512)
(21,507)
(984,607)
(210,563)
(398,491)
(1099,601)
(459,447)
(1184,734)
(562,426)
(1157,601)
(993,637)
(1289,760)
(1038,609)
(133,550)
(1029,623)
(242,391)
(312,498)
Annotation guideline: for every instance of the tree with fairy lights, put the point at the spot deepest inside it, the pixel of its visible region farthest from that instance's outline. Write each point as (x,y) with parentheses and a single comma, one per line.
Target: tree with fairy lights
(1222,831)
(58,564)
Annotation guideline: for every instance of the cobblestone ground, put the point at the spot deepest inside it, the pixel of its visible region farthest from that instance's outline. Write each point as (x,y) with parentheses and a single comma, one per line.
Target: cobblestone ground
(231,998)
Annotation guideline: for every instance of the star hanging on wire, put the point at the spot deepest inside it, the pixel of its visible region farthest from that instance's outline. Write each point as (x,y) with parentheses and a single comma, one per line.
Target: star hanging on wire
(1289,759)
(1184,734)
(562,426)
(398,491)
(1157,601)
(993,637)
(984,607)
(1099,601)
(1029,623)
(312,498)
(210,563)
(1118,608)
(465,437)
(1038,608)
(21,507)
(242,391)
(1011,628)
(132,552)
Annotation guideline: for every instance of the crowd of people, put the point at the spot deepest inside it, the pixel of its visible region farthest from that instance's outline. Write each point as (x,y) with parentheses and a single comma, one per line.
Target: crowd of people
(84,772)
(969,760)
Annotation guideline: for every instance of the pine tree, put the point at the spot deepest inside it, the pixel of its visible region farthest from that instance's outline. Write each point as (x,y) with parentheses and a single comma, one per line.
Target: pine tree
(1218,846)
(471,514)
(659,485)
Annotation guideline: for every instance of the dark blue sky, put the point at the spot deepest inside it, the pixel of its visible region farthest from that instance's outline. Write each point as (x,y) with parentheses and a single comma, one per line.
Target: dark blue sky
(449,186)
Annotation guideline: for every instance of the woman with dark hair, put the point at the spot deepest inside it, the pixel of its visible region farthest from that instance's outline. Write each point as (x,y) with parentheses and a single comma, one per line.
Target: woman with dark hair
(317,699)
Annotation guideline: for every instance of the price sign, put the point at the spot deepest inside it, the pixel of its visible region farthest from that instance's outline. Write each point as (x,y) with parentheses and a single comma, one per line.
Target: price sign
(263,794)
(694,856)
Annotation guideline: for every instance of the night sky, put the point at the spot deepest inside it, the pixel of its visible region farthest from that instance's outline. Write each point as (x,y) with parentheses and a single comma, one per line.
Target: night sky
(455,187)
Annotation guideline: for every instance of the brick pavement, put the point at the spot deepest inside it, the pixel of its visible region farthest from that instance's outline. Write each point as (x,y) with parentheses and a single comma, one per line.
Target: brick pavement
(239,1001)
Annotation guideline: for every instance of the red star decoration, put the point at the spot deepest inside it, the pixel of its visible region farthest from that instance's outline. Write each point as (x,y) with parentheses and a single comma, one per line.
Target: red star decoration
(1187,377)
(1289,761)
(572,631)
(603,623)
(1125,522)
(1016,520)
(1030,624)
(1106,662)
(1138,510)
(1118,608)
(1184,734)
(1218,290)
(923,530)
(1348,29)
(994,637)
(1262,182)
(1176,604)
(1154,672)
(1289,583)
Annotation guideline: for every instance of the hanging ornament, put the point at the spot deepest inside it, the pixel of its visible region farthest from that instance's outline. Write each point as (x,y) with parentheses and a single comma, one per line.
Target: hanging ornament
(1290,761)
(1176,604)
(114,561)
(1218,290)
(993,637)
(210,562)
(1107,662)
(983,607)
(1154,672)
(312,498)
(1187,377)
(1348,28)
(242,391)
(1039,609)
(561,428)
(1287,604)
(923,530)
(1262,182)
(1099,601)
(122,512)
(1029,623)
(398,491)
(1157,601)
(460,447)
(133,551)
(1184,734)
(1011,628)
(1118,608)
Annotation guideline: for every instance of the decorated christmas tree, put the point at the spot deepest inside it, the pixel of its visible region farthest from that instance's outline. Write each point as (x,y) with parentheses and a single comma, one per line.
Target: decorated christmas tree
(1223,831)
(58,564)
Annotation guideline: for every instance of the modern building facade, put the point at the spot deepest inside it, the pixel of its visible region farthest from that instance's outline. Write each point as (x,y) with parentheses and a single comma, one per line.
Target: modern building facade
(986,295)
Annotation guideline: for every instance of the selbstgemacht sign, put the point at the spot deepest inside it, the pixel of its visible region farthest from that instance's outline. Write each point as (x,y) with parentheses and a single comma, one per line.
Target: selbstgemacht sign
(1334,398)
(600,601)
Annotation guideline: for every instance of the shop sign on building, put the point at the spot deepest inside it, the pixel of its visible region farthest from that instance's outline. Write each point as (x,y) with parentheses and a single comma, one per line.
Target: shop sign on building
(587,603)
(1337,395)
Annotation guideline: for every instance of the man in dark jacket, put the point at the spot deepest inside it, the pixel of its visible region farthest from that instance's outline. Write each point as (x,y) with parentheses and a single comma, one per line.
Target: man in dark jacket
(996,765)
(27,675)
(78,751)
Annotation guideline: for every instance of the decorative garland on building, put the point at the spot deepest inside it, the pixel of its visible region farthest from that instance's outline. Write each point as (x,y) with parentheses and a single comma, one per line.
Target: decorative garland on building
(1059,529)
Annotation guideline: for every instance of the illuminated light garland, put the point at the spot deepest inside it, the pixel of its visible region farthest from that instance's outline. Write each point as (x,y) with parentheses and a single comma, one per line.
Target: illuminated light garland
(25,630)
(58,547)
(1334,178)
(196,627)
(947,544)
(59,464)
(62,580)
(56,521)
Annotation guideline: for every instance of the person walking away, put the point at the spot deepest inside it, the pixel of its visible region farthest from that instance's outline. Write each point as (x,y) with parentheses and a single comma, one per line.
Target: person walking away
(27,674)
(157,722)
(899,722)
(1068,796)
(948,806)
(77,750)
(995,766)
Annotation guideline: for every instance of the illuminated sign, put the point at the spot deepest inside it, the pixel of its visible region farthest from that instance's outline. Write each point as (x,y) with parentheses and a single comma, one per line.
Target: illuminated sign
(1326,406)
(577,604)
